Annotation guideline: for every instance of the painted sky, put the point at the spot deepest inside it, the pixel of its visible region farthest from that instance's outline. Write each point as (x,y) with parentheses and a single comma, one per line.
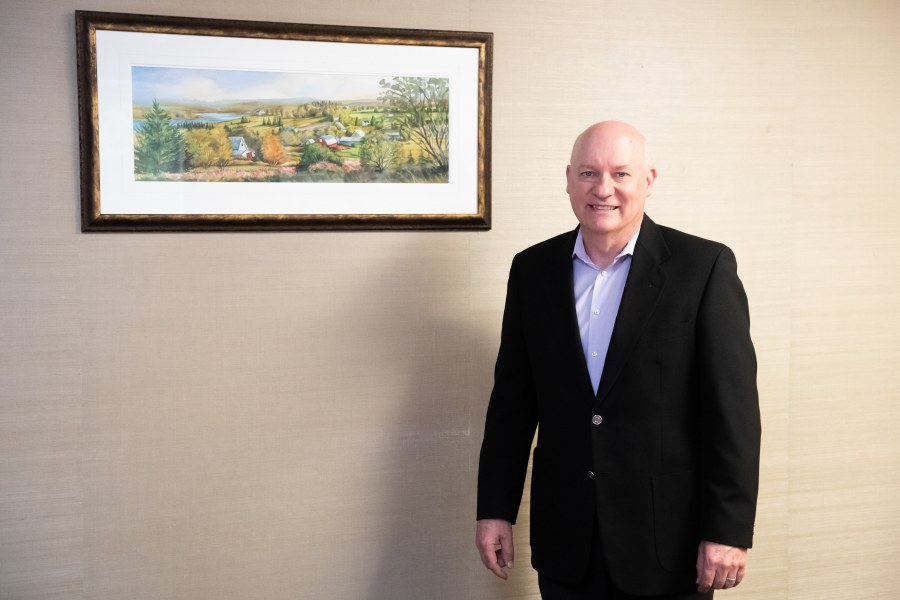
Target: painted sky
(180,85)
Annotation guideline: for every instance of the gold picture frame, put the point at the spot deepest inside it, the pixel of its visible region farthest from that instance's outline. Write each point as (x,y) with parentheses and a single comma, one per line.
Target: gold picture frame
(193,124)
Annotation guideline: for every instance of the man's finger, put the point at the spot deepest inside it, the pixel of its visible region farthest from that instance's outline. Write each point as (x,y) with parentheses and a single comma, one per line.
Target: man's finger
(493,562)
(497,564)
(506,554)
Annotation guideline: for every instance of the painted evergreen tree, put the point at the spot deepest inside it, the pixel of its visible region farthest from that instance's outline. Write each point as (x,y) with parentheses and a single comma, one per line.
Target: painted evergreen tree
(159,145)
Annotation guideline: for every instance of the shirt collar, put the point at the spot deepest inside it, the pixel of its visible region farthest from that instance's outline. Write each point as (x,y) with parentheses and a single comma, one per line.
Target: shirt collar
(581,254)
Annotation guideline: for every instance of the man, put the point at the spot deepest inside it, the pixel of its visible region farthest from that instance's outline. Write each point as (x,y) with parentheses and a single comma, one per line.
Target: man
(626,345)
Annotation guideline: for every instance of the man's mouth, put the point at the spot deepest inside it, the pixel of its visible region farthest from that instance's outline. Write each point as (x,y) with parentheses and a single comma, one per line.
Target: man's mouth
(602,207)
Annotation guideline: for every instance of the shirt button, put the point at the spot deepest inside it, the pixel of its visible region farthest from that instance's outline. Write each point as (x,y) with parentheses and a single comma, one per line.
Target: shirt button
(593,354)
(596,311)
(602,273)
(590,474)
(596,419)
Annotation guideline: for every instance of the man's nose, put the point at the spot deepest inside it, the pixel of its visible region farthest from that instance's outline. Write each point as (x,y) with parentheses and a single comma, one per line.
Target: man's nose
(604,187)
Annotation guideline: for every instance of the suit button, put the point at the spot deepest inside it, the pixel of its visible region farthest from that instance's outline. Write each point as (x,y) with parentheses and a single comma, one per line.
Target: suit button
(590,474)
(596,419)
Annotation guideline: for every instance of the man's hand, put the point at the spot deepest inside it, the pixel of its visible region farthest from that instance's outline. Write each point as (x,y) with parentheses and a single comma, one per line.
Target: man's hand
(720,567)
(494,539)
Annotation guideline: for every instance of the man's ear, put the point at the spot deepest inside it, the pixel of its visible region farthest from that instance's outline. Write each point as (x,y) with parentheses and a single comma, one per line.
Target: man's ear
(651,179)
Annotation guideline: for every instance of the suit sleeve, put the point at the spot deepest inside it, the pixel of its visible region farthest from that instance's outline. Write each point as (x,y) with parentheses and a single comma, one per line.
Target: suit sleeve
(511,417)
(730,435)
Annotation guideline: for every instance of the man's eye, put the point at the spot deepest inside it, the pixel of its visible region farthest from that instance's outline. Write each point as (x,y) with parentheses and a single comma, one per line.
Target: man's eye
(621,174)
(587,173)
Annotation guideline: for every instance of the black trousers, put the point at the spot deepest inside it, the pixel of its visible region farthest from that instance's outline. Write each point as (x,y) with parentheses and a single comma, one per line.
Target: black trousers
(597,584)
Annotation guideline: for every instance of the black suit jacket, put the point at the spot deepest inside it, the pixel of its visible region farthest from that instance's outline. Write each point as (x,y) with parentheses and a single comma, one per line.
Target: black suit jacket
(666,454)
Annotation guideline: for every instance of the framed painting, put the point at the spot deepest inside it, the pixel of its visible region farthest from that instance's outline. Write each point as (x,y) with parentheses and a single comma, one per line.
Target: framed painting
(197,124)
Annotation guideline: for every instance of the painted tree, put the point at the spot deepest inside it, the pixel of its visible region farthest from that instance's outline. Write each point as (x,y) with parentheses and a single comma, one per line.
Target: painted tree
(421,108)
(158,145)
(344,115)
(378,153)
(272,150)
(314,153)
(208,148)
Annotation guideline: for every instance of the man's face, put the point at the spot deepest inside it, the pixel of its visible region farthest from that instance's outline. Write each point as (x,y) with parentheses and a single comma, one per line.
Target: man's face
(608,182)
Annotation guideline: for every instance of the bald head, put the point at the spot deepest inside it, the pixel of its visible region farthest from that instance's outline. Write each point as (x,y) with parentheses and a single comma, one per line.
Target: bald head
(612,132)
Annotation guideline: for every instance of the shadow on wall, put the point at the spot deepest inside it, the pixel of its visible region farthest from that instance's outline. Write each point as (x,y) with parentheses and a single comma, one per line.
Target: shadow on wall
(429,466)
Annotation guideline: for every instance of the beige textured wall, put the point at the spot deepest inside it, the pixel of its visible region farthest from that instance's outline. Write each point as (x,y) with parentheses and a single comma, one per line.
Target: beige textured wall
(298,415)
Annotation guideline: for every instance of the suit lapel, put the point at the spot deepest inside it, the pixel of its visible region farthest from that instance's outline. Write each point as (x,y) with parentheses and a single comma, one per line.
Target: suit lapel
(564,321)
(645,282)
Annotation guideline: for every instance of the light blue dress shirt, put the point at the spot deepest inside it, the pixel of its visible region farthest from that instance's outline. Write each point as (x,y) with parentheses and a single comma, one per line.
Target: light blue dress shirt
(598,293)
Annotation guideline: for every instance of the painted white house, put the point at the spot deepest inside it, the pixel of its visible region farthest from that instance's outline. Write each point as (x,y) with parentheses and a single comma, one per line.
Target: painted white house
(239,147)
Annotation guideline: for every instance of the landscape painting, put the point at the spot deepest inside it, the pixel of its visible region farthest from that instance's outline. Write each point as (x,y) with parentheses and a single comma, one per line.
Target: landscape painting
(190,124)
(203,125)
